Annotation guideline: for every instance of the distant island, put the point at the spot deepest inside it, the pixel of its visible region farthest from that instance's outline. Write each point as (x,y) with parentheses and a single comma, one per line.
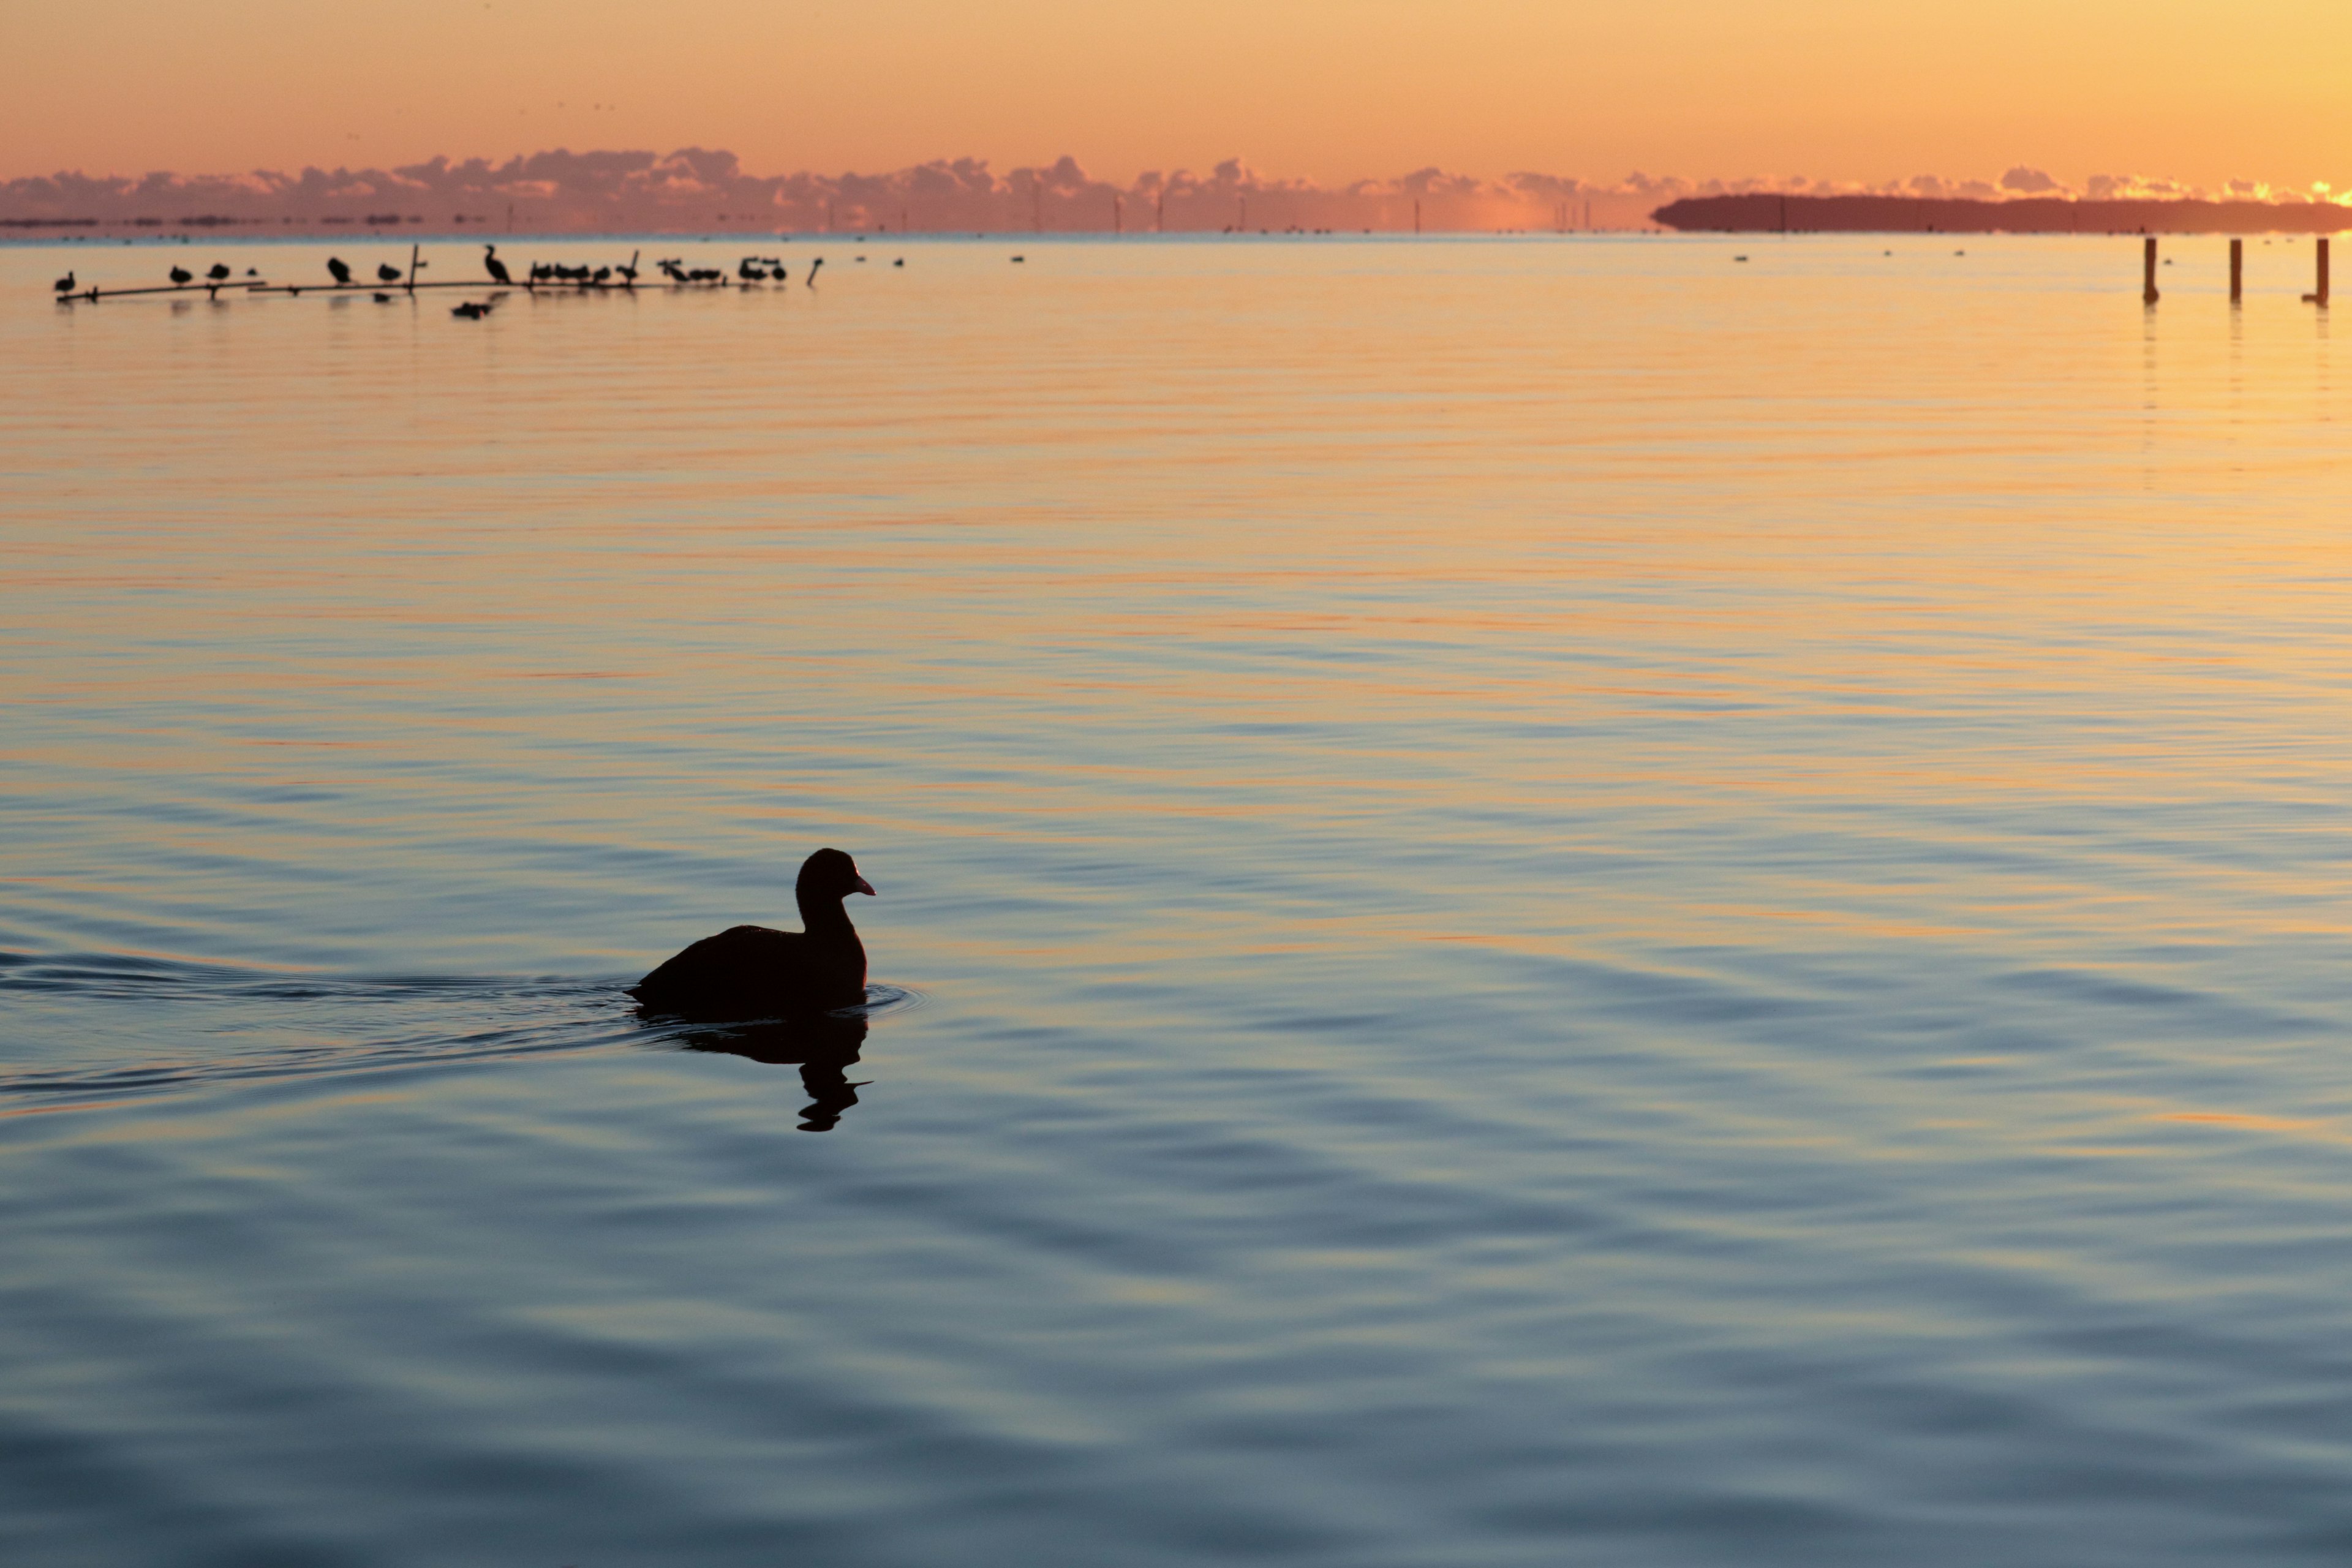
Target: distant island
(2032,214)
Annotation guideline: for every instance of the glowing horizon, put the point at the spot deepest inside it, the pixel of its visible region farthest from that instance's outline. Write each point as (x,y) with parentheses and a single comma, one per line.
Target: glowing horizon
(1717,91)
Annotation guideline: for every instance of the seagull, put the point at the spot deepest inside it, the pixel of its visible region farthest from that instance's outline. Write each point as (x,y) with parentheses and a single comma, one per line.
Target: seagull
(388,273)
(182,275)
(340,270)
(498,268)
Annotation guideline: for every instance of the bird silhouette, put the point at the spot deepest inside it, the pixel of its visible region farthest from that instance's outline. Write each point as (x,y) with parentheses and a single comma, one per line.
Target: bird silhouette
(338,269)
(471,311)
(496,267)
(388,273)
(813,266)
(603,273)
(65,284)
(383,298)
(751,972)
(628,274)
(217,272)
(182,275)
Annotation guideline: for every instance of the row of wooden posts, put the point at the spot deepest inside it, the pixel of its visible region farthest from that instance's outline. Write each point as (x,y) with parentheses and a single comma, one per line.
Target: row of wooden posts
(2147,291)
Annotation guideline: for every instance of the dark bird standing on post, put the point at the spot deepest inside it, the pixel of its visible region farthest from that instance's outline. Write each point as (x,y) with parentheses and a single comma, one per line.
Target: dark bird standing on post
(497,269)
(217,272)
(65,284)
(181,275)
(751,972)
(386,273)
(338,269)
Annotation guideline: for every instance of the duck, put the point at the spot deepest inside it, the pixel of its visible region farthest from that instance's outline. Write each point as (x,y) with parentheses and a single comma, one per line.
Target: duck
(751,972)
(182,277)
(386,272)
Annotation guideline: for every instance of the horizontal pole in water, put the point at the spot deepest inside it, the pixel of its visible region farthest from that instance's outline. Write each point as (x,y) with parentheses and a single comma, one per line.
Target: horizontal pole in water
(214,290)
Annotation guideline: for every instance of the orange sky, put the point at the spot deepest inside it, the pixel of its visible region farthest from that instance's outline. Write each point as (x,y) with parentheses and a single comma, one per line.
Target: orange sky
(1327,89)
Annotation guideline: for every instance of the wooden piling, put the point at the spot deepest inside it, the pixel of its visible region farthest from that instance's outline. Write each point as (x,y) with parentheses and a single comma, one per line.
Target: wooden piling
(2147,293)
(2320,296)
(2237,271)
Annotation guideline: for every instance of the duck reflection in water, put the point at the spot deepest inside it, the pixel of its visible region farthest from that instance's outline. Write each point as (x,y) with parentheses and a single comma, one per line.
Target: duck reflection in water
(824,1045)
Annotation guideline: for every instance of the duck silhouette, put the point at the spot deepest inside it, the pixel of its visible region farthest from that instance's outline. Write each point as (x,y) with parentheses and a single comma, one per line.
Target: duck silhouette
(65,284)
(181,275)
(388,273)
(751,972)
(217,272)
(340,270)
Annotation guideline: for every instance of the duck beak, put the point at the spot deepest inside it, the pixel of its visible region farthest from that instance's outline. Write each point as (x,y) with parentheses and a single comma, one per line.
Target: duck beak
(867,888)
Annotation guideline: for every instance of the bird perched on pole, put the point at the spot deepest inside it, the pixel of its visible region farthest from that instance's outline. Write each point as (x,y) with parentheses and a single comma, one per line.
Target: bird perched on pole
(217,272)
(182,275)
(338,269)
(496,267)
(65,284)
(388,273)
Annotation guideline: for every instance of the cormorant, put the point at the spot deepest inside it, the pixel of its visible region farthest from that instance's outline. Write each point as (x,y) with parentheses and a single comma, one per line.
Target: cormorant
(496,267)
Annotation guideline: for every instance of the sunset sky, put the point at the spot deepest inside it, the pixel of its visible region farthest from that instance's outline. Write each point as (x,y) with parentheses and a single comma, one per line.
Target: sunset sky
(2196,90)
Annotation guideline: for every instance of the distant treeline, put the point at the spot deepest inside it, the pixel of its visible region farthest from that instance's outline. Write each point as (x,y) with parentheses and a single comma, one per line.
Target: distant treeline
(2034,215)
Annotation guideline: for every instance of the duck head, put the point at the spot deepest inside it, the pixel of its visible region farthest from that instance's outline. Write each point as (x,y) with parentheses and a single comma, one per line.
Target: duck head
(828,877)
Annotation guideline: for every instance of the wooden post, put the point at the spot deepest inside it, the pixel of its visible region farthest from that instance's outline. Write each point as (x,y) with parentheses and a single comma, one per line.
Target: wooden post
(412,270)
(2320,298)
(2237,271)
(2147,293)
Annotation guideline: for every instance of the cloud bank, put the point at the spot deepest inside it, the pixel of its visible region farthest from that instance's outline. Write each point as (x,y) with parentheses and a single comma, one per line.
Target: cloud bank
(698,190)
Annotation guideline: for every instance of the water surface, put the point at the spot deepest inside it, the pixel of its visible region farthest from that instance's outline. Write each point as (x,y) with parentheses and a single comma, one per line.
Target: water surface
(1541,900)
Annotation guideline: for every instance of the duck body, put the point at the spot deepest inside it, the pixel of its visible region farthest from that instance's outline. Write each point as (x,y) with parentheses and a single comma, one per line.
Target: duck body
(751,972)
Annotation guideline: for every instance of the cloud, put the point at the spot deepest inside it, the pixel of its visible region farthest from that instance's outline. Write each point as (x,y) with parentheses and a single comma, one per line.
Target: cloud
(699,189)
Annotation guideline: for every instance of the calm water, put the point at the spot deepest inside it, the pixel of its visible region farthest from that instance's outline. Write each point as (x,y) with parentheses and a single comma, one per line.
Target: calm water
(1543,901)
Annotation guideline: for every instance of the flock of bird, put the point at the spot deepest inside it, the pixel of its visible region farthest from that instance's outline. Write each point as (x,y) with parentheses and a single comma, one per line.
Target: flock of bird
(750,271)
